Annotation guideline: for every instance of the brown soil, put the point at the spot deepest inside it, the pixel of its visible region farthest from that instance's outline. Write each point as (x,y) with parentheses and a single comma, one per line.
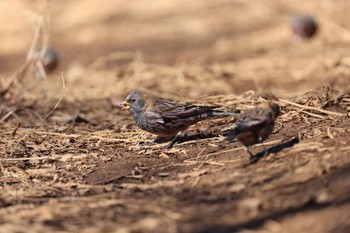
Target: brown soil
(84,168)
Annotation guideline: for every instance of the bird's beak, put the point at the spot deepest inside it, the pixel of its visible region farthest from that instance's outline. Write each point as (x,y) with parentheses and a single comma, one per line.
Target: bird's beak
(125,105)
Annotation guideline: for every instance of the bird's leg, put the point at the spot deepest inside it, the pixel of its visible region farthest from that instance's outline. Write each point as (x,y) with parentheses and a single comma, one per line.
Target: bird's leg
(248,151)
(251,158)
(265,150)
(175,140)
(157,140)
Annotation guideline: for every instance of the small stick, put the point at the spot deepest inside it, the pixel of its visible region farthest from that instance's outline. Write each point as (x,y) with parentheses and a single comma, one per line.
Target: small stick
(312,108)
(15,130)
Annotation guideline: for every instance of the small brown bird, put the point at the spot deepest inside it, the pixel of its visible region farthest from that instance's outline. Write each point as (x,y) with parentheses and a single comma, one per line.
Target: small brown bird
(164,118)
(304,27)
(255,125)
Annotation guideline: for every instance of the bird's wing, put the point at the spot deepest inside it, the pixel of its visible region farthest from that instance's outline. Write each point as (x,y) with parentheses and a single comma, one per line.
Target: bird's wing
(254,119)
(171,110)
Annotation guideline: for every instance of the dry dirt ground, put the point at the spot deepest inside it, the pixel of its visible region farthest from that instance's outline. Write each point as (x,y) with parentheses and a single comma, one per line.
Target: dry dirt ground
(84,168)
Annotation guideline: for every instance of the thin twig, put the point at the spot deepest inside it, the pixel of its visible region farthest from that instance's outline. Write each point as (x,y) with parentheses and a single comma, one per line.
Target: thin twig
(54,108)
(312,108)
(234,149)
(15,110)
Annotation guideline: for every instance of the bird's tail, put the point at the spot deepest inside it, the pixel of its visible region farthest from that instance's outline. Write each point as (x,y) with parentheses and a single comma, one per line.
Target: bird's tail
(232,134)
(222,113)
(193,113)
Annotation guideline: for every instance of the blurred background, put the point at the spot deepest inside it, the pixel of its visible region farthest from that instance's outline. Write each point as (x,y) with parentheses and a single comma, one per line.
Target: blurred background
(194,48)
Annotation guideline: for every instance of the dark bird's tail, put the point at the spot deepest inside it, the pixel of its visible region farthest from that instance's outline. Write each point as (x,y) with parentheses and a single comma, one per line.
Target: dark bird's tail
(232,134)
(222,113)
(212,113)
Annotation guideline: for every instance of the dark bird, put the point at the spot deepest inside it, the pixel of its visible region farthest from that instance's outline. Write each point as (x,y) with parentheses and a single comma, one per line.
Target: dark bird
(164,118)
(304,27)
(255,125)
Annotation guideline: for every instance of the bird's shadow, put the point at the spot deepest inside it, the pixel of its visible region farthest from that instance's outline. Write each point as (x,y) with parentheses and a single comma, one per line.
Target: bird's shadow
(273,150)
(185,138)
(202,135)
(178,140)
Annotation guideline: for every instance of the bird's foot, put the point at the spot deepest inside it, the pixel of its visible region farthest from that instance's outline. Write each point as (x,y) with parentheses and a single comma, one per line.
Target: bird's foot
(168,146)
(178,138)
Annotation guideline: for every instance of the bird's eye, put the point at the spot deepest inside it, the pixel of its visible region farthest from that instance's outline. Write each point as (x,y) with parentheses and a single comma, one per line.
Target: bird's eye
(133,100)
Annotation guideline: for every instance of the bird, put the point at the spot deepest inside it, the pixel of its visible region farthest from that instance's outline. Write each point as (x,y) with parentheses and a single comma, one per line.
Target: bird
(255,125)
(304,27)
(164,118)
(48,58)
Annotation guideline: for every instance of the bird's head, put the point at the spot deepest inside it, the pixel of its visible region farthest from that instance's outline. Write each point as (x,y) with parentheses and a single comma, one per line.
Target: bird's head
(135,102)
(275,109)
